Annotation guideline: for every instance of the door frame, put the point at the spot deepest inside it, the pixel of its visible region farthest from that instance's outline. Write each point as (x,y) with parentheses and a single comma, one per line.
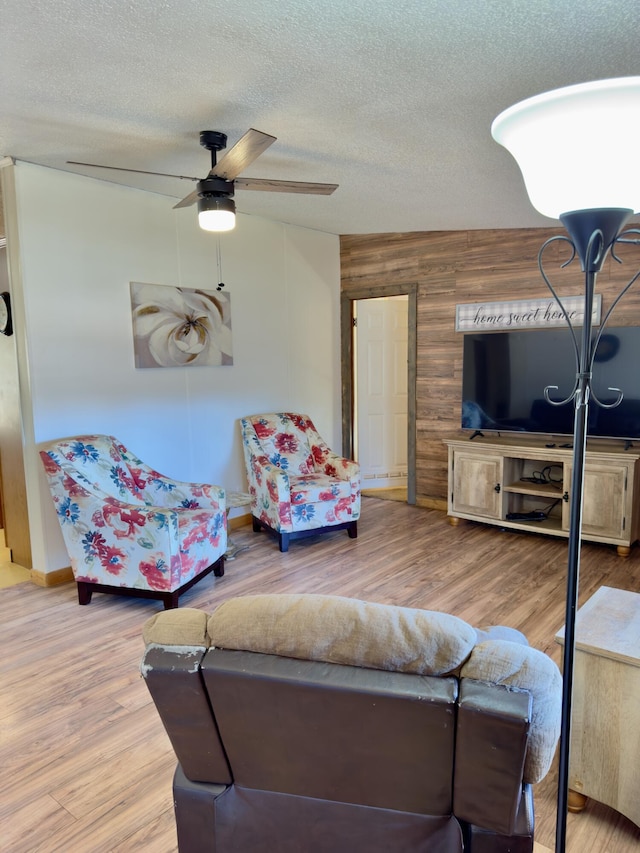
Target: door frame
(348,296)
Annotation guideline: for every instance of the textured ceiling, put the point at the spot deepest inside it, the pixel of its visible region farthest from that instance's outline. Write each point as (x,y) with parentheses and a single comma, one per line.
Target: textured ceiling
(391,99)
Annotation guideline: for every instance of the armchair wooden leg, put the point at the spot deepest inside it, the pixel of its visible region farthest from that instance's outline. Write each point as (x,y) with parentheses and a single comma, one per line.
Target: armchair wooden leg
(283,542)
(257,527)
(218,568)
(353,530)
(170,600)
(84,592)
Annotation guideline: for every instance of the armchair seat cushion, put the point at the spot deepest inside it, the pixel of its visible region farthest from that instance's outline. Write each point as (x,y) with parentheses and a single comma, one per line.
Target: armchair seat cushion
(315,488)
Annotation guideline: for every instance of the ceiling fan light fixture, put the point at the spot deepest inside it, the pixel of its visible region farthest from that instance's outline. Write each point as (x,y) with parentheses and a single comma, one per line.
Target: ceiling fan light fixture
(216,213)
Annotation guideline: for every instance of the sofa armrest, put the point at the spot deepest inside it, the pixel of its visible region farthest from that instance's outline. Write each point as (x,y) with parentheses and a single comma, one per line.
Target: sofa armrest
(478,839)
(174,680)
(195,806)
(520,667)
(491,745)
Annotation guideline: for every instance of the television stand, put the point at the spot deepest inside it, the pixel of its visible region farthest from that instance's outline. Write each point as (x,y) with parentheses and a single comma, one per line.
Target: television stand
(509,481)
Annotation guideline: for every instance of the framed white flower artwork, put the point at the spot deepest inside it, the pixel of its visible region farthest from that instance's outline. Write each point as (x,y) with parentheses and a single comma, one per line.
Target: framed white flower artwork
(180,326)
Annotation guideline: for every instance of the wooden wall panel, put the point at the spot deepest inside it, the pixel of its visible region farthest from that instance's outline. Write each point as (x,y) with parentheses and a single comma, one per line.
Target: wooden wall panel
(452,267)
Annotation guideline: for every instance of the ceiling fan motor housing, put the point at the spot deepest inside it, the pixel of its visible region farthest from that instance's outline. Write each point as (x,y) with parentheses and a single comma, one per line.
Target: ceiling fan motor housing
(215,186)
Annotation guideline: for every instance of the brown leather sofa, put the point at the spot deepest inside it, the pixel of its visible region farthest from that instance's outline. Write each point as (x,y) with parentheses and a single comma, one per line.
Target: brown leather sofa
(319,724)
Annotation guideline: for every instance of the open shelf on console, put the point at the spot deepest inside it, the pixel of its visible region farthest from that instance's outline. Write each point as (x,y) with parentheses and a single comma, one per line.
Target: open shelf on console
(546,490)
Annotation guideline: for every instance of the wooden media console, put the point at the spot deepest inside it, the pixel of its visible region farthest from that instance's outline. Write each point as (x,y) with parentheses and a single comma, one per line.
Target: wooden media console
(524,482)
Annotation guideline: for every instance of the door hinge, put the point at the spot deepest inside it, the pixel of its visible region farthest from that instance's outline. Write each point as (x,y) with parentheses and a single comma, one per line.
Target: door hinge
(354,322)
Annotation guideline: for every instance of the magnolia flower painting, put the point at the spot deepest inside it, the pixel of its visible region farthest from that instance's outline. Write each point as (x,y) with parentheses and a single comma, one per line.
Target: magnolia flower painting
(180,327)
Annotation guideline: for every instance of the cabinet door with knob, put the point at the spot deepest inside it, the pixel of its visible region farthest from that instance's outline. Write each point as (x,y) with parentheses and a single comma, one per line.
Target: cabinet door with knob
(605,506)
(475,484)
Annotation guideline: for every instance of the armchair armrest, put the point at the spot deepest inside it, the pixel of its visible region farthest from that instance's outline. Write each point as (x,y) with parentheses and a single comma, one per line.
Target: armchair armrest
(327,461)
(271,489)
(168,492)
(342,468)
(270,492)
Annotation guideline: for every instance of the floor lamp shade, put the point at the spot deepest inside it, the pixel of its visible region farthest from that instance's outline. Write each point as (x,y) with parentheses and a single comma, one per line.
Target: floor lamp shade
(574,146)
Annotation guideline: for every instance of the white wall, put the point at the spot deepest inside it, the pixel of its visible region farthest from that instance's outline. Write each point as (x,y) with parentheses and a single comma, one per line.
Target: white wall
(81,242)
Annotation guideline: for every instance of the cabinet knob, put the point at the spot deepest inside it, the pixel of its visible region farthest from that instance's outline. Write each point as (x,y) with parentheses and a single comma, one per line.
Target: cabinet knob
(497,488)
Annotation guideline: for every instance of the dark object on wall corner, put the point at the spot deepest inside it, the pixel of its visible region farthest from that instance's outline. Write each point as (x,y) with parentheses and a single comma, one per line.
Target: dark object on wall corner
(6,322)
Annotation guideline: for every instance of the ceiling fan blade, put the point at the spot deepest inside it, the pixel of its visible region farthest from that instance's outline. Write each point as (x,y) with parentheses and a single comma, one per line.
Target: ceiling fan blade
(187,201)
(137,171)
(284,186)
(242,154)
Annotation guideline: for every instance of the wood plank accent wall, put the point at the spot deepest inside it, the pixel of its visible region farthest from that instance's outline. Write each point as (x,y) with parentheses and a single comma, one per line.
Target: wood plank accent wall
(452,267)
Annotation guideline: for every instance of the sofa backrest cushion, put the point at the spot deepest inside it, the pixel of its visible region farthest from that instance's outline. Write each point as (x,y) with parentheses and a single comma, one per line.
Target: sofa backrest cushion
(343,630)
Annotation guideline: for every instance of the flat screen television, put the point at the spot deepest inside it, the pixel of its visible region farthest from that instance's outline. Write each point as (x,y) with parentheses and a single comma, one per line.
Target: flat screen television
(505,373)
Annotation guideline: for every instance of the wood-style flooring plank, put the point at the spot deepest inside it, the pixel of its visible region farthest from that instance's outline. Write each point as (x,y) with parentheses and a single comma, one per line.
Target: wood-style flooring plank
(87,764)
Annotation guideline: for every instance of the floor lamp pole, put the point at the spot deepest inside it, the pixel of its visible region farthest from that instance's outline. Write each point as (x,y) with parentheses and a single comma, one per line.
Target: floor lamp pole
(593,233)
(573,569)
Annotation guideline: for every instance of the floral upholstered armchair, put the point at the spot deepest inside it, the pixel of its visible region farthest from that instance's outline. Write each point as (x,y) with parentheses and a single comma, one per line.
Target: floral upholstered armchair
(298,485)
(128,529)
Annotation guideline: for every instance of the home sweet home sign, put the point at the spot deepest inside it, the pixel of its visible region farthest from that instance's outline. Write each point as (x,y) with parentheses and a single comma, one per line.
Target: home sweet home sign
(523,314)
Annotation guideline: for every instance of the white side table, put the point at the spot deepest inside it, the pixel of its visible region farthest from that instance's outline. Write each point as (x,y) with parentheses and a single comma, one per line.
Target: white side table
(234,500)
(605,744)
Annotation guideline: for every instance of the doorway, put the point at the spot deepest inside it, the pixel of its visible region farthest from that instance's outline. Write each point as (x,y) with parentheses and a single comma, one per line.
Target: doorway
(13,489)
(350,297)
(380,387)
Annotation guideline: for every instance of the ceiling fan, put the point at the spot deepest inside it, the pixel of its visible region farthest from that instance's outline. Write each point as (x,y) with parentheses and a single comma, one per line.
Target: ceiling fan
(214,193)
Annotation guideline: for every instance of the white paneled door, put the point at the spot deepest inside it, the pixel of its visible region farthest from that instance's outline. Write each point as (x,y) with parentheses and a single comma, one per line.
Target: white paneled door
(380,343)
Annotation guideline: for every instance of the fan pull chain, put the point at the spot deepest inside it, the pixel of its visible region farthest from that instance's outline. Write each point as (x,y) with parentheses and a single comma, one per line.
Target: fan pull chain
(219,259)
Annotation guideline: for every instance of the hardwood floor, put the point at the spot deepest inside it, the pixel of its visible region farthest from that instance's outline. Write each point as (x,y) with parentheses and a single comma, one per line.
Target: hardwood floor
(87,766)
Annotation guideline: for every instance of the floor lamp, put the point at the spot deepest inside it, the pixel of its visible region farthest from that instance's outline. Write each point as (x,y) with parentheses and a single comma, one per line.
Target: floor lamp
(571,147)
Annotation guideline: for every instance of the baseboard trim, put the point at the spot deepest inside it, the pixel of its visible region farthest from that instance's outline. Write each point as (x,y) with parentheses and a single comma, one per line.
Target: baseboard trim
(239,521)
(431,503)
(52,578)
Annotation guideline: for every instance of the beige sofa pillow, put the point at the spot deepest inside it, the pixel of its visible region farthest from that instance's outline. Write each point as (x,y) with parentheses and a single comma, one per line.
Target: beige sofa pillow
(343,630)
(183,626)
(522,668)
